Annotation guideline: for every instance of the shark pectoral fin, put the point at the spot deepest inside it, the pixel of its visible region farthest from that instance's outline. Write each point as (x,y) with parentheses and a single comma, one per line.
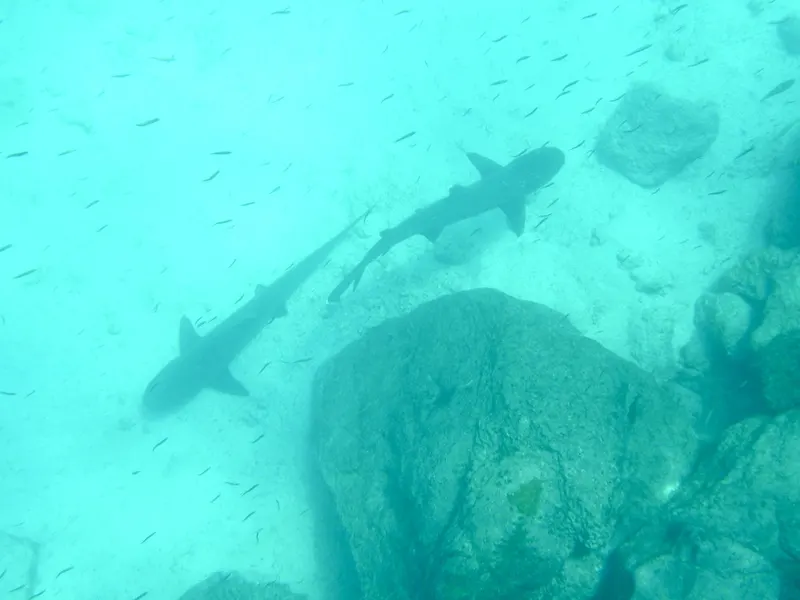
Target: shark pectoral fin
(187,336)
(456,188)
(223,381)
(432,234)
(485,166)
(515,216)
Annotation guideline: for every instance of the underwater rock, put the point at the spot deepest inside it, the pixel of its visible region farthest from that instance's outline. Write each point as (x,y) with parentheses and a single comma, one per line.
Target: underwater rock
(788,30)
(783,228)
(724,318)
(231,585)
(751,323)
(729,531)
(648,276)
(776,341)
(651,136)
(481,447)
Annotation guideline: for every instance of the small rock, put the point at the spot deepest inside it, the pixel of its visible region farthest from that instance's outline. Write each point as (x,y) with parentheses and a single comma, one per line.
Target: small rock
(652,137)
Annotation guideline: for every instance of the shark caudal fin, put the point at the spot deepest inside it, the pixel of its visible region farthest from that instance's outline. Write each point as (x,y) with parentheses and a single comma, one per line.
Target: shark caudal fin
(219,379)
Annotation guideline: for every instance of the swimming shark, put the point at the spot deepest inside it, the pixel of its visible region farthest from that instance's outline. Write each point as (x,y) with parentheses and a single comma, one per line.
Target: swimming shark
(204,361)
(503,187)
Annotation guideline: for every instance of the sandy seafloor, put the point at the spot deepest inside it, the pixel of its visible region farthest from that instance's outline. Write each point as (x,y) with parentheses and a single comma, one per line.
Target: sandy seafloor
(122,234)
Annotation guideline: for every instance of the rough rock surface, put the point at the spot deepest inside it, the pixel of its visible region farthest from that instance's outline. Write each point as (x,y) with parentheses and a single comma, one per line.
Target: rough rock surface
(481,448)
(231,585)
(788,30)
(651,136)
(731,531)
(765,336)
(783,227)
(726,318)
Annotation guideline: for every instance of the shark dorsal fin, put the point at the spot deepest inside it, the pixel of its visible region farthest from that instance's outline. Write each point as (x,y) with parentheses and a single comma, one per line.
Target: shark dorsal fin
(485,166)
(515,216)
(187,336)
(223,381)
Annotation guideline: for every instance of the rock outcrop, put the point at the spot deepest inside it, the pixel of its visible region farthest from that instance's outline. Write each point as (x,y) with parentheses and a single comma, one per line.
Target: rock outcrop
(482,448)
(652,136)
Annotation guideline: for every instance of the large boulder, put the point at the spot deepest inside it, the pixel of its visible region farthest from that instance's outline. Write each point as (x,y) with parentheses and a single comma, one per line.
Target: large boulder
(231,585)
(652,136)
(482,448)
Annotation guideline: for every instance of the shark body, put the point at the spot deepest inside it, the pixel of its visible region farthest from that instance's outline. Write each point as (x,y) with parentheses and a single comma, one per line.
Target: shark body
(204,361)
(503,187)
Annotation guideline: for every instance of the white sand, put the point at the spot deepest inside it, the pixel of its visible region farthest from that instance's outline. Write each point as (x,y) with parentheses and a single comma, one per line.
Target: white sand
(81,337)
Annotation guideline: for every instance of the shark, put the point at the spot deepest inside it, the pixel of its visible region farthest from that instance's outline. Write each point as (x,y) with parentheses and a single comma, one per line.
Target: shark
(203,362)
(499,186)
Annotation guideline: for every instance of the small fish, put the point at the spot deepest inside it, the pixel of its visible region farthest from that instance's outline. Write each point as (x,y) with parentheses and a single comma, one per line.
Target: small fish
(405,137)
(25,273)
(221,153)
(159,444)
(147,538)
(639,49)
(6,247)
(64,571)
(250,489)
(148,122)
(18,154)
(211,177)
(779,89)
(745,152)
